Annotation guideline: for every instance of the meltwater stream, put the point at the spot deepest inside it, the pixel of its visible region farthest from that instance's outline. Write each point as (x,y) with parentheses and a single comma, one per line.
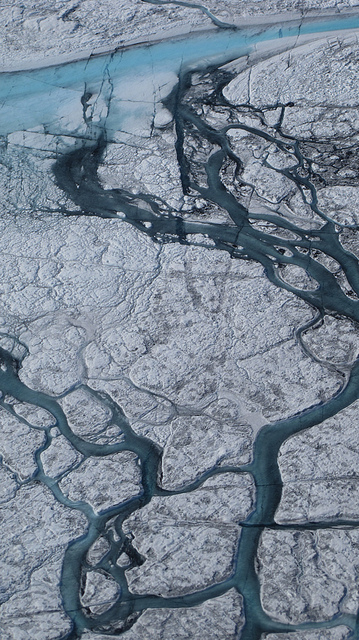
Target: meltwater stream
(76,173)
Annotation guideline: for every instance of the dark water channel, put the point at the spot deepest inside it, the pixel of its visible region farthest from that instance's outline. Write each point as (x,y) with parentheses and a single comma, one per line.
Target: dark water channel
(76,173)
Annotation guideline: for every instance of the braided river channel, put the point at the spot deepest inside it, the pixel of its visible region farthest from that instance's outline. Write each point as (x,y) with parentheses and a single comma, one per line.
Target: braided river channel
(192,77)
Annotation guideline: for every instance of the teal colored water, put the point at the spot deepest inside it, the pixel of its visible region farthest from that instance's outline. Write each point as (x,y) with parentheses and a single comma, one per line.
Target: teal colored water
(31,99)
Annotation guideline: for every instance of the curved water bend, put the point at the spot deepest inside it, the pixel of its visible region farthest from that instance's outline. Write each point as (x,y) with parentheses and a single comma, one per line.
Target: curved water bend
(298,246)
(76,174)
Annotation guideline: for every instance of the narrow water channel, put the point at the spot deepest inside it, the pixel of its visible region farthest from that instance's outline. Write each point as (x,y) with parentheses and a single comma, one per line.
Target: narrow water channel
(283,243)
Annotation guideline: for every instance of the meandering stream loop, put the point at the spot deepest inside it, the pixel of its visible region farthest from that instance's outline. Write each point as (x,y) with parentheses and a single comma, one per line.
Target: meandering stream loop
(76,173)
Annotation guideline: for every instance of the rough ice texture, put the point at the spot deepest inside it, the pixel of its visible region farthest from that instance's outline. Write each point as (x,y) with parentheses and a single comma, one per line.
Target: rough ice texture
(220,617)
(321,483)
(36,611)
(284,77)
(199,350)
(188,541)
(59,457)
(53,27)
(100,592)
(18,446)
(104,482)
(337,633)
(36,528)
(315,574)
